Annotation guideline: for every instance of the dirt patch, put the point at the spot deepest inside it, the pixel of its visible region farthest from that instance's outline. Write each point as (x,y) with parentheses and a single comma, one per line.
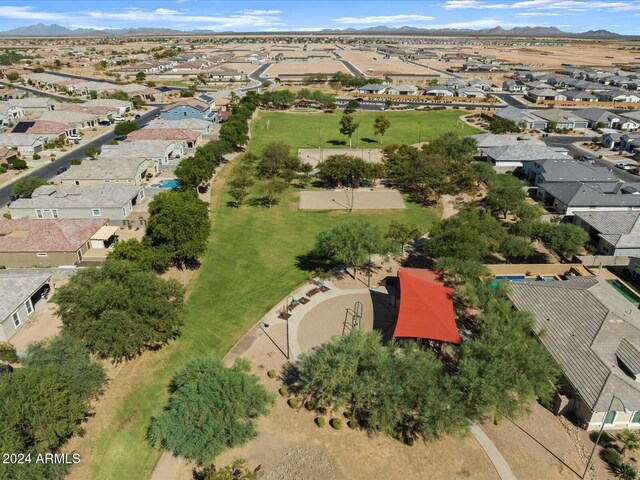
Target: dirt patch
(351,200)
(308,462)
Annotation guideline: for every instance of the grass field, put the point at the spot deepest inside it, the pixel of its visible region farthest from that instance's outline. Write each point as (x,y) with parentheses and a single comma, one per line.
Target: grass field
(311,129)
(250,266)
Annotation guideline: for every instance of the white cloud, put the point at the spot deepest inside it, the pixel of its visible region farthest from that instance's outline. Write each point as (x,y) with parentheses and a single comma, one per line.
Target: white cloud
(260,12)
(28,13)
(382,19)
(571,5)
(310,29)
(539,14)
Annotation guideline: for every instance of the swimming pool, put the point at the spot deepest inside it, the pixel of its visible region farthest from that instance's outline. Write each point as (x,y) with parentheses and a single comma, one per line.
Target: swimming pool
(171,183)
(624,291)
(522,278)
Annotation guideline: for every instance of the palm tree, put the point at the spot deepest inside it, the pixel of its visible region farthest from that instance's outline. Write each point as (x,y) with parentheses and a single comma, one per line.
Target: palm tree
(630,440)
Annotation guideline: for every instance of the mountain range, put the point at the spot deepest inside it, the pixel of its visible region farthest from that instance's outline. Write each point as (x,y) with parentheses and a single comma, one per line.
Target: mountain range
(41,30)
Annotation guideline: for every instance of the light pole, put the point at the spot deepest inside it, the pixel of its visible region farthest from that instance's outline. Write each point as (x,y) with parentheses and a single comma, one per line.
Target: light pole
(420,133)
(604,420)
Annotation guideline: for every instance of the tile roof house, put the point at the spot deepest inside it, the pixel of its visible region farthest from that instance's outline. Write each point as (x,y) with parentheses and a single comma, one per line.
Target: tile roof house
(189,138)
(46,243)
(510,157)
(158,151)
(21,297)
(25,143)
(79,120)
(494,140)
(129,171)
(518,116)
(35,105)
(189,108)
(566,170)
(593,332)
(614,233)
(563,119)
(570,197)
(538,95)
(599,117)
(110,201)
(372,88)
(48,129)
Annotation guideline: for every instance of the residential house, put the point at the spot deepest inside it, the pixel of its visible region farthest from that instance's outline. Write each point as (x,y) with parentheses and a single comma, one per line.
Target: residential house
(8,155)
(48,130)
(591,330)
(570,197)
(226,74)
(34,106)
(21,296)
(611,140)
(512,157)
(523,117)
(119,107)
(566,170)
(562,119)
(514,86)
(78,120)
(484,140)
(160,152)
(546,94)
(439,91)
(189,108)
(193,124)
(25,144)
(614,233)
(579,96)
(618,96)
(630,142)
(402,90)
(47,243)
(109,201)
(471,92)
(9,115)
(128,171)
(373,88)
(189,138)
(600,118)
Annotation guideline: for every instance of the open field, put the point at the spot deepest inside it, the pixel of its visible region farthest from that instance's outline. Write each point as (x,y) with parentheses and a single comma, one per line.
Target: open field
(250,265)
(372,63)
(293,67)
(313,129)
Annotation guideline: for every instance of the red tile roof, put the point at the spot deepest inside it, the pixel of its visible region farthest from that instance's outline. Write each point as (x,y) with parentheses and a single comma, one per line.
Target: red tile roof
(164,134)
(42,127)
(46,235)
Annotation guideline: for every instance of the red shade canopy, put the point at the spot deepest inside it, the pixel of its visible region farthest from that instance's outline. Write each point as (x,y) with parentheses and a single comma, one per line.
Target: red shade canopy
(426,307)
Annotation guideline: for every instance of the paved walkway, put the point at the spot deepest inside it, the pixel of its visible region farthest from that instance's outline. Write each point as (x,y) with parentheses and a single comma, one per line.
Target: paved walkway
(501,465)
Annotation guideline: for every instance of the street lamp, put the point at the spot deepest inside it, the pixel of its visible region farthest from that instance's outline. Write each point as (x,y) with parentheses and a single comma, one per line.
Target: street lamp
(420,133)
(593,451)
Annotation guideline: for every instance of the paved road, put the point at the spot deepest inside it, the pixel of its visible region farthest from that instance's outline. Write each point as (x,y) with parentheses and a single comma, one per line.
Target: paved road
(257,76)
(48,171)
(37,93)
(439,70)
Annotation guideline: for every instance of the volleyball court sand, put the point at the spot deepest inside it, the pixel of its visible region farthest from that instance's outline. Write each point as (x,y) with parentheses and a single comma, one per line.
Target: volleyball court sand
(342,199)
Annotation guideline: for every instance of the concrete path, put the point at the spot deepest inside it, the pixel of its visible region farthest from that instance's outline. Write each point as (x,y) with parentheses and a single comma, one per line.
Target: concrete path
(448,209)
(492,452)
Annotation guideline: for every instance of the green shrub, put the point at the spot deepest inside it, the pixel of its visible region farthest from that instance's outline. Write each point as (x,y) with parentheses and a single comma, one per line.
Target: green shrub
(284,391)
(309,405)
(7,216)
(322,410)
(293,402)
(36,156)
(75,161)
(271,373)
(3,170)
(336,423)
(409,441)
(625,471)
(320,421)
(19,164)
(352,424)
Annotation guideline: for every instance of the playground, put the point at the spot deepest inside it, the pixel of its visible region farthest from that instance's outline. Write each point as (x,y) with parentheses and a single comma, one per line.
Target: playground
(349,199)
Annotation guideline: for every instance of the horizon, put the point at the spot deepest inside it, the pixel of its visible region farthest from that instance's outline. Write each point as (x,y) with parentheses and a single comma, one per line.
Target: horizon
(577,16)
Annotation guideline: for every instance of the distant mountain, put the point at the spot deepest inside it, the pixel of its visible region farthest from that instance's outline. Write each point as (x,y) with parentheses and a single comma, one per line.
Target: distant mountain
(41,30)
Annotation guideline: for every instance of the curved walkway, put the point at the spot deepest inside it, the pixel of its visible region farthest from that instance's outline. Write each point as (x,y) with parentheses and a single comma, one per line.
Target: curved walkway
(500,464)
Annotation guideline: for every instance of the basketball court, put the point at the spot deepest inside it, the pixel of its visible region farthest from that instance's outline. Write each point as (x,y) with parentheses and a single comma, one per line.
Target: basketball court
(347,199)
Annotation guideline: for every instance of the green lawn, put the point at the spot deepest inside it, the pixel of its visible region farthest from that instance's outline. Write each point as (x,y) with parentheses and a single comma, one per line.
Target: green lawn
(249,267)
(310,129)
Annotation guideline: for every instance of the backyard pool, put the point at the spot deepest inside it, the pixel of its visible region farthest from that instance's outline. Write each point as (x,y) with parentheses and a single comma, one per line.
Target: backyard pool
(624,291)
(522,278)
(171,183)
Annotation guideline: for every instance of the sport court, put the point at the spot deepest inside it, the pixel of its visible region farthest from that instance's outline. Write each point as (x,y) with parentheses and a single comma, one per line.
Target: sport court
(347,199)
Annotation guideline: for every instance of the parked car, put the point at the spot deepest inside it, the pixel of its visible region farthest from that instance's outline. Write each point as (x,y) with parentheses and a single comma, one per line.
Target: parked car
(74,138)
(61,170)
(104,123)
(635,171)
(137,116)
(118,118)
(623,166)
(587,158)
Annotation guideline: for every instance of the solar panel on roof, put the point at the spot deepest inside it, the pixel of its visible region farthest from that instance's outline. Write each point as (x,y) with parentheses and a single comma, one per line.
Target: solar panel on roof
(22,127)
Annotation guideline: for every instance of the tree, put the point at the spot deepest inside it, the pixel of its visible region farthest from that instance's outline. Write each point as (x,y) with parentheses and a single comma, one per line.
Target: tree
(125,128)
(351,243)
(142,255)
(352,106)
(92,151)
(630,440)
(348,126)
(212,408)
(236,471)
(457,272)
(483,172)
(505,197)
(120,310)
(193,171)
(19,164)
(119,95)
(269,190)
(563,238)
(141,77)
(13,77)
(178,226)
(514,247)
(93,94)
(25,186)
(340,168)
(402,233)
(240,186)
(503,125)
(380,126)
(234,132)
(8,353)
(274,159)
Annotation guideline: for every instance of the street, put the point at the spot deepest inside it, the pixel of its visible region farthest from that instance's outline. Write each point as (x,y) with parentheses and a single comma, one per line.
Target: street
(48,172)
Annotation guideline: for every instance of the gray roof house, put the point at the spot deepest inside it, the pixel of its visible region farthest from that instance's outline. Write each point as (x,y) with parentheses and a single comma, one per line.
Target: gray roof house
(402,90)
(593,332)
(566,170)
(494,140)
(539,95)
(579,96)
(563,119)
(600,116)
(570,197)
(518,115)
(21,296)
(510,157)
(110,201)
(614,233)
(372,88)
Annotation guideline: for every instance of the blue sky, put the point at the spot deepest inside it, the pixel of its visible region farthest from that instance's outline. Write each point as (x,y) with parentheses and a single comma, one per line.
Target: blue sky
(252,16)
